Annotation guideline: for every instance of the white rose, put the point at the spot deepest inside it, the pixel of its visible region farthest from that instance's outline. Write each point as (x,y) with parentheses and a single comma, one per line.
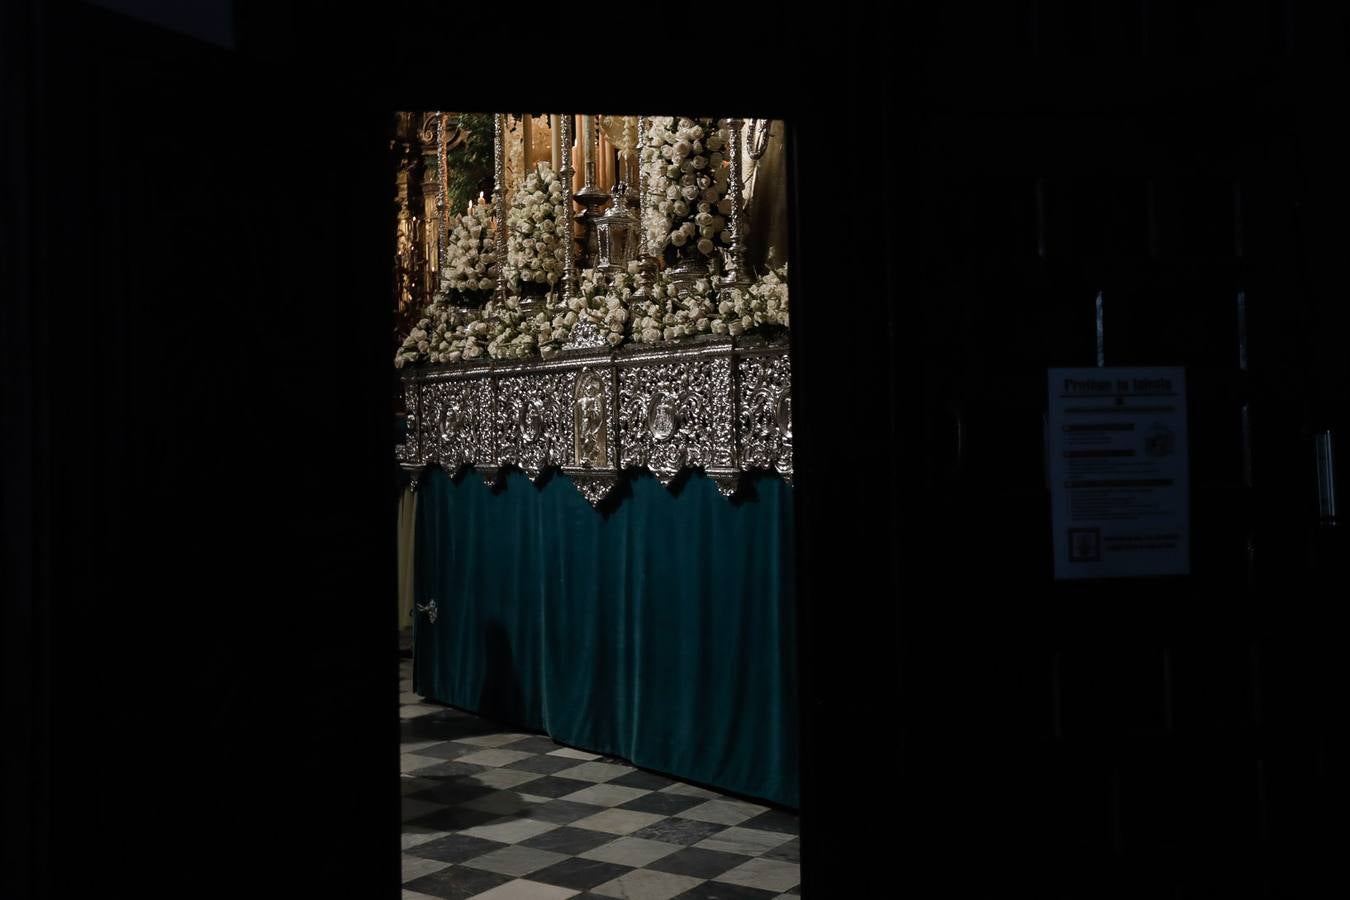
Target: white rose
(705,246)
(667,151)
(679,238)
(673,172)
(673,192)
(736,329)
(699,162)
(681,208)
(689,229)
(689,192)
(423,346)
(718,327)
(706,231)
(634,267)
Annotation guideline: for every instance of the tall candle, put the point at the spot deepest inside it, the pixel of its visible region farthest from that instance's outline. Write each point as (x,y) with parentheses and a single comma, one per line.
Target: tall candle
(526,126)
(555,132)
(587,142)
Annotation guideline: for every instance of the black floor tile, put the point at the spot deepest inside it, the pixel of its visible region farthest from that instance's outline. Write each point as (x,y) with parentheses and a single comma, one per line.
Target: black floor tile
(457,883)
(553,786)
(679,831)
(454,818)
(698,863)
(448,750)
(789,852)
(642,779)
(454,848)
(544,764)
(579,874)
(712,890)
(666,804)
(572,841)
(774,820)
(561,812)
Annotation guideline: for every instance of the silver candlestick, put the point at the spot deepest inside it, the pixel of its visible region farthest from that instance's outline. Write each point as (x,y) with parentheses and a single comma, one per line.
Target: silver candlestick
(499,200)
(570,287)
(592,199)
(647,266)
(736,275)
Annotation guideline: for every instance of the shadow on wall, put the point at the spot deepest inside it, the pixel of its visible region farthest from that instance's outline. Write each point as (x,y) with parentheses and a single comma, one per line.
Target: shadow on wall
(501,698)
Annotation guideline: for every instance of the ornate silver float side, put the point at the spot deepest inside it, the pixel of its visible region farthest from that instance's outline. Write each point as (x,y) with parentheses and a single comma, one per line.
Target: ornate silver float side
(720,405)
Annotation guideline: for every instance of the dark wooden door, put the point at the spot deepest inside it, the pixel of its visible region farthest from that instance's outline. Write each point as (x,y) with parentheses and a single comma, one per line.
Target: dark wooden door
(1154,737)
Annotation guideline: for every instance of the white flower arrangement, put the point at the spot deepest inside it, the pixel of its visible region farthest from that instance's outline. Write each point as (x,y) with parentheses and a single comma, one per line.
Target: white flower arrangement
(607,303)
(501,331)
(471,255)
(763,303)
(687,185)
(536,225)
(670,317)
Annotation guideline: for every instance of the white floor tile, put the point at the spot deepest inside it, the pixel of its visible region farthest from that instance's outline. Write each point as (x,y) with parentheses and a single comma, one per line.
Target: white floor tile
(416,867)
(646,884)
(765,874)
(618,821)
(569,753)
(631,851)
(524,889)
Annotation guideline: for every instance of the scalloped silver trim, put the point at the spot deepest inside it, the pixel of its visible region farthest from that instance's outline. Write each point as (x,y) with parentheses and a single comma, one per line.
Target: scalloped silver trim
(716,405)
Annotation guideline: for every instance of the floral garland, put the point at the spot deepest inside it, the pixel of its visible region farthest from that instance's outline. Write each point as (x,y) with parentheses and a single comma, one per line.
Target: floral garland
(501,331)
(687,186)
(471,255)
(535,224)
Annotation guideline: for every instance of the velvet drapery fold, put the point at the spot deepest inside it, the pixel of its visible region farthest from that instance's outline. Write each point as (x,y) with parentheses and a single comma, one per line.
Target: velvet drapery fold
(662,631)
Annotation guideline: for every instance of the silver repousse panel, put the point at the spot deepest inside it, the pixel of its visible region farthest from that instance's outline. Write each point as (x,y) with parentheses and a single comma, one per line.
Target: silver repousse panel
(764,422)
(406,452)
(460,415)
(533,420)
(714,407)
(675,415)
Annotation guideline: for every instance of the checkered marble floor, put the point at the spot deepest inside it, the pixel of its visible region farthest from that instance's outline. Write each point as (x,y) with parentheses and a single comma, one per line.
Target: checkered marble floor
(496,814)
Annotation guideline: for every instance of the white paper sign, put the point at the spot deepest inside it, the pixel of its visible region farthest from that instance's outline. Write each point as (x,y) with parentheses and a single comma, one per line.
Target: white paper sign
(1118,471)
